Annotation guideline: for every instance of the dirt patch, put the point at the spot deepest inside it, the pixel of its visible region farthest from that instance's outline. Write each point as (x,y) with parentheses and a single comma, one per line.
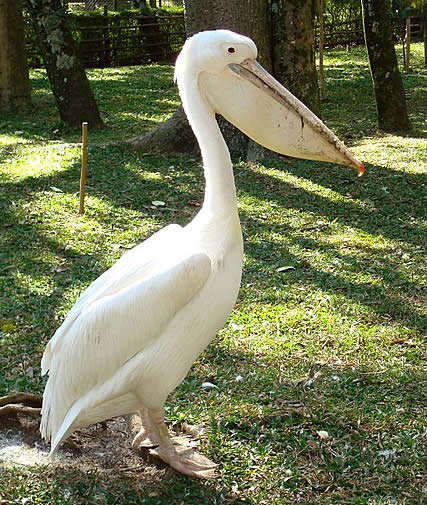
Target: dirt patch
(104,446)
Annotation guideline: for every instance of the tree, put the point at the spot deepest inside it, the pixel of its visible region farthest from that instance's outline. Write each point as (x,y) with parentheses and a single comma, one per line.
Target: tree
(67,77)
(424,22)
(175,134)
(248,17)
(15,90)
(294,63)
(387,81)
(321,14)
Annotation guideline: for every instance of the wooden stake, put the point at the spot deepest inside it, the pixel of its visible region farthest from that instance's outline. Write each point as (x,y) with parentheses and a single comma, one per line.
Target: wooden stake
(83,169)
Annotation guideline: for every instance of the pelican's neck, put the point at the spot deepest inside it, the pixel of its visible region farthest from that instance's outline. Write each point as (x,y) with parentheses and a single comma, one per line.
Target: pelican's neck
(220,191)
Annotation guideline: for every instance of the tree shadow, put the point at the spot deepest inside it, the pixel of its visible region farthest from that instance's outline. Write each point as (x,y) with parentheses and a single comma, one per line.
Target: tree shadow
(386,212)
(389,211)
(131,100)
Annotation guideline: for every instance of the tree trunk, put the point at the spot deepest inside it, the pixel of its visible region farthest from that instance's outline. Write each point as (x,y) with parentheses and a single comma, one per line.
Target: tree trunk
(248,17)
(15,92)
(172,136)
(387,81)
(321,9)
(294,62)
(155,41)
(424,13)
(67,77)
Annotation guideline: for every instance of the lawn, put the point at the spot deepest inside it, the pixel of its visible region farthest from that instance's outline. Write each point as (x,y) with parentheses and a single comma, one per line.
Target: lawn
(320,370)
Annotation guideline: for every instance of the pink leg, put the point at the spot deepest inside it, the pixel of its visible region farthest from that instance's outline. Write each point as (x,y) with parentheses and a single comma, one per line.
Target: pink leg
(147,435)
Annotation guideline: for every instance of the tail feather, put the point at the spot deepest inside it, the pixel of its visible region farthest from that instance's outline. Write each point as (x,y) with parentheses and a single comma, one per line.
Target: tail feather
(66,428)
(46,359)
(97,405)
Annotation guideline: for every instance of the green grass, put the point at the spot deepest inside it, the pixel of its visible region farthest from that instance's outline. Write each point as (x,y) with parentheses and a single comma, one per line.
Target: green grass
(335,345)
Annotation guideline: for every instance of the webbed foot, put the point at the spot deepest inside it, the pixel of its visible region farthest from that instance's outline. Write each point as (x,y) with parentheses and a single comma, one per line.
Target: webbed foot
(187,461)
(179,455)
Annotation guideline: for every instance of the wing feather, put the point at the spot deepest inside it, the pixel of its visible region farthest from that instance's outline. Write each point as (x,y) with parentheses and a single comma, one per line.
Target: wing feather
(113,323)
(139,262)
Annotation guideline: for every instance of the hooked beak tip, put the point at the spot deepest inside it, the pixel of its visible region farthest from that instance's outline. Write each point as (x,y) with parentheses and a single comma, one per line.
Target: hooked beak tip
(361,168)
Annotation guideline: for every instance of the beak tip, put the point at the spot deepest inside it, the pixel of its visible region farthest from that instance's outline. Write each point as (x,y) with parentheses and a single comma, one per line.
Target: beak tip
(361,168)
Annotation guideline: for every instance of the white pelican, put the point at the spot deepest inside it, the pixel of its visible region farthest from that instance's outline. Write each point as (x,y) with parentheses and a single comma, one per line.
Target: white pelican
(133,335)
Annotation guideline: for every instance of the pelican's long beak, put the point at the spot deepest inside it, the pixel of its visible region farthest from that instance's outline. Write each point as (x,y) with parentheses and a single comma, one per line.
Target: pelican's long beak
(272,116)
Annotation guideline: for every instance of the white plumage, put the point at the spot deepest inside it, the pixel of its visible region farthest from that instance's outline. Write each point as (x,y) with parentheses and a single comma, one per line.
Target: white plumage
(134,333)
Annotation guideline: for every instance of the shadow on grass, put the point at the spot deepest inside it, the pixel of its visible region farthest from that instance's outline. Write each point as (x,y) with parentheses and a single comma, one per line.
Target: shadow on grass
(384,211)
(131,181)
(394,198)
(80,486)
(131,100)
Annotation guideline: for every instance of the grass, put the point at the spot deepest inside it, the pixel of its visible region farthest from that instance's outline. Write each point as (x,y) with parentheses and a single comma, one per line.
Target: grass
(320,369)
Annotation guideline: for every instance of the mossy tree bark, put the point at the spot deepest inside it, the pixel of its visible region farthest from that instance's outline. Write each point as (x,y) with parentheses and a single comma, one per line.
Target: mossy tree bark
(67,77)
(387,81)
(294,63)
(15,92)
(249,17)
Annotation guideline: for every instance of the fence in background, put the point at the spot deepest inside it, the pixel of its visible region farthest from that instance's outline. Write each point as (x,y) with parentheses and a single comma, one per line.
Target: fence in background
(117,40)
(122,4)
(130,38)
(342,34)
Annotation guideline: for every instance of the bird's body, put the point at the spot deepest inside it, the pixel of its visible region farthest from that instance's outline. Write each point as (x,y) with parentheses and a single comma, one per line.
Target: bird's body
(135,332)
(155,341)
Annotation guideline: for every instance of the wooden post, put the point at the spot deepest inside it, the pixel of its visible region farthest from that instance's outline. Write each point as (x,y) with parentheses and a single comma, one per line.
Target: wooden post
(83,169)
(408,43)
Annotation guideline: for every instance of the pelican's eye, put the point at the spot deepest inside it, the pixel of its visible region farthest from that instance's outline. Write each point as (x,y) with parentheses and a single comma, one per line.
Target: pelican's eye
(231,50)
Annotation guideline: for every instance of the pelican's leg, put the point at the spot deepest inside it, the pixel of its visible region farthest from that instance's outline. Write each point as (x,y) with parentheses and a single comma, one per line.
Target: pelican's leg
(183,459)
(147,434)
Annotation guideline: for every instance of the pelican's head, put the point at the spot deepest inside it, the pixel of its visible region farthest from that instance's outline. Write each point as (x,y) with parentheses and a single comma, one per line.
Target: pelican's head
(224,66)
(212,51)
